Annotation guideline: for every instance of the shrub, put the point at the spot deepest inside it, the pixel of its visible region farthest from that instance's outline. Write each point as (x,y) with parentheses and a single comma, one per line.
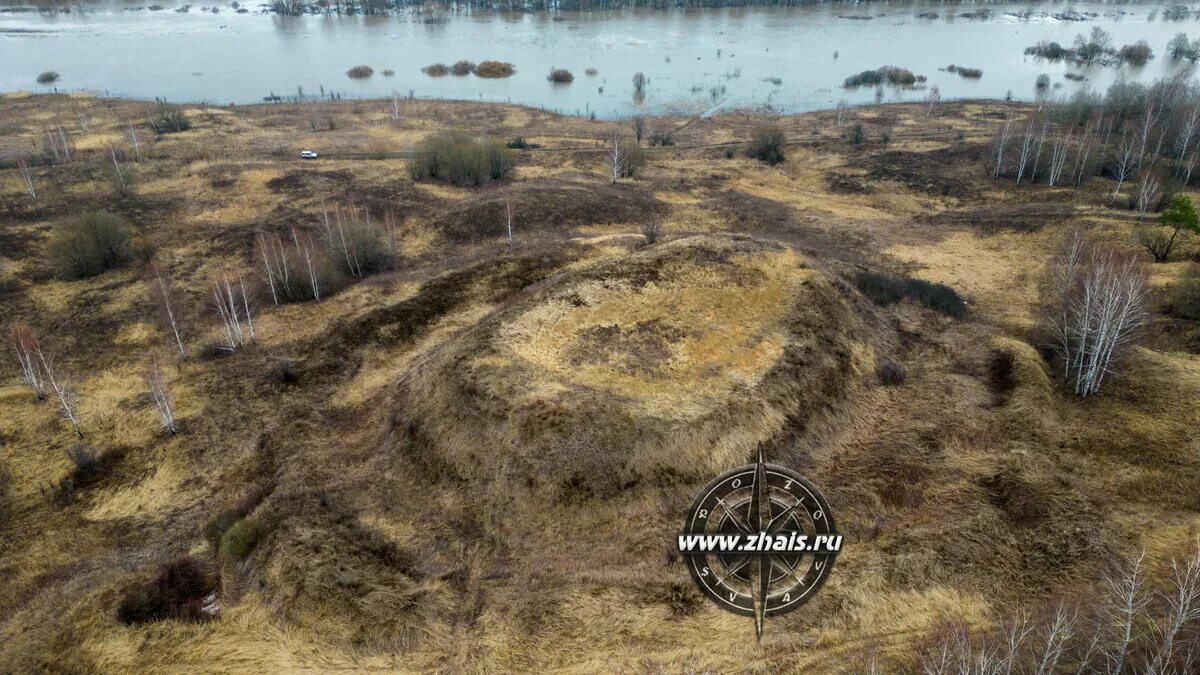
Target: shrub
(1049,50)
(167,120)
(633,158)
(891,373)
(560,76)
(460,159)
(388,72)
(85,461)
(360,72)
(1185,297)
(662,137)
(519,143)
(214,531)
(436,70)
(893,75)
(494,69)
(972,73)
(885,289)
(91,244)
(591,72)
(652,231)
(1042,81)
(766,144)
(1137,53)
(47,77)
(177,592)
(239,539)
(357,247)
(856,134)
(730,152)
(462,68)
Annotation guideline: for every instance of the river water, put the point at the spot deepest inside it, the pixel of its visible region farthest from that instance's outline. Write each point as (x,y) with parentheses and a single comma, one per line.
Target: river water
(789,58)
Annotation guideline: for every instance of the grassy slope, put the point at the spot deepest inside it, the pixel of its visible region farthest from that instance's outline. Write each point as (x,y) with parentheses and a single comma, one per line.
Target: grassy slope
(955,497)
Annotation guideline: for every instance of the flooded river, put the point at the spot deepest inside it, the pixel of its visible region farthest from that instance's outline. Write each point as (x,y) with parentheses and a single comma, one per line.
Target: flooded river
(788,58)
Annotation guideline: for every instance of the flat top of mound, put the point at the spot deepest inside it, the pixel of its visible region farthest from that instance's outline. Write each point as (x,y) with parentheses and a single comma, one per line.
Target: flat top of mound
(707,322)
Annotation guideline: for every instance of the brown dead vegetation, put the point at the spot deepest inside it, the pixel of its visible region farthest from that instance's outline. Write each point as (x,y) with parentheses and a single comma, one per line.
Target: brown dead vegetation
(450,455)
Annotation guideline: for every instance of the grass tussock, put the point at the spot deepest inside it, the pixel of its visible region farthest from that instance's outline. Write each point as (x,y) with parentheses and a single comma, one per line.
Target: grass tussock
(495,69)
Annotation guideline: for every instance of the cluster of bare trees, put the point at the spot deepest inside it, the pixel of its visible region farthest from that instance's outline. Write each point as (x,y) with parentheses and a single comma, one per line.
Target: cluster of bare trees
(1144,136)
(1096,305)
(40,374)
(1130,626)
(290,267)
(235,310)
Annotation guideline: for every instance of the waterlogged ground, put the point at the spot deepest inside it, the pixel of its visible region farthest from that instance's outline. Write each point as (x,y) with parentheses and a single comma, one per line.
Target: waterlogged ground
(782,57)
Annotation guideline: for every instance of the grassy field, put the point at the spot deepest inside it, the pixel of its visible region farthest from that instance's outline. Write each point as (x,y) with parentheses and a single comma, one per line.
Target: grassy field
(478,461)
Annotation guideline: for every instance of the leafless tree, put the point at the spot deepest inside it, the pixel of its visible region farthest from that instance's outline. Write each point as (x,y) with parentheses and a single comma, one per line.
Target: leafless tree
(395,111)
(1058,634)
(1087,142)
(25,345)
(120,178)
(389,228)
(1187,128)
(81,116)
(1125,162)
(638,123)
(233,308)
(309,257)
(615,159)
(1125,599)
(508,219)
(161,397)
(1182,601)
(26,173)
(58,144)
(166,299)
(1097,306)
(1059,147)
(275,266)
(1147,193)
(932,99)
(999,144)
(841,111)
(68,403)
(134,140)
(1026,149)
(1012,639)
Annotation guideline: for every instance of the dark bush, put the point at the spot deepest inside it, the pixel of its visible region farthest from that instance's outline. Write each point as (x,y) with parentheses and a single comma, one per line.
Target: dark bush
(891,373)
(560,76)
(893,75)
(493,69)
(360,72)
(519,143)
(460,159)
(177,592)
(238,539)
(662,137)
(1000,372)
(47,77)
(856,134)
(634,158)
(462,68)
(1042,82)
(388,72)
(1137,53)
(436,70)
(168,120)
(767,143)
(85,461)
(215,528)
(91,244)
(1049,50)
(591,72)
(730,152)
(972,73)
(885,289)
(1185,297)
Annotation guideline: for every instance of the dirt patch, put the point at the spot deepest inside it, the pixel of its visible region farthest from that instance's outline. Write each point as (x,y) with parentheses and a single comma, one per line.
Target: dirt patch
(1018,217)
(551,206)
(750,213)
(945,172)
(302,183)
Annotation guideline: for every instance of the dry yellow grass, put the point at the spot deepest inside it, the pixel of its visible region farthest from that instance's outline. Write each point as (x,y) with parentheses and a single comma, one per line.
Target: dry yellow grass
(503,417)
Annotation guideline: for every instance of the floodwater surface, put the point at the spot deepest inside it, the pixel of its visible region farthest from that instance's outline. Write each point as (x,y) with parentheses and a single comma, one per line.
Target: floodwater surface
(788,58)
